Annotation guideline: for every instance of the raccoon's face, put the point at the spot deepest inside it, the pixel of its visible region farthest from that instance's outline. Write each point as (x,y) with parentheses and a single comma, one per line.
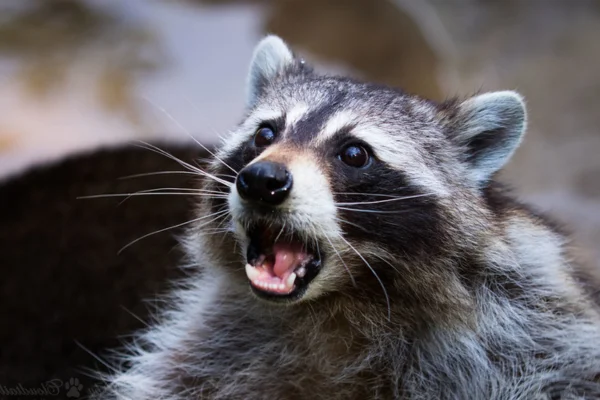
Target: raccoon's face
(342,186)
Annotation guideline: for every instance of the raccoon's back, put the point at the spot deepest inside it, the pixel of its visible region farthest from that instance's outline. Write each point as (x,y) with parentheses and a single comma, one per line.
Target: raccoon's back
(64,286)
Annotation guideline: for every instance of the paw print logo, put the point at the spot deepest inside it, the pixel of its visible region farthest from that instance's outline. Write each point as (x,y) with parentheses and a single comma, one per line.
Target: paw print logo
(74,388)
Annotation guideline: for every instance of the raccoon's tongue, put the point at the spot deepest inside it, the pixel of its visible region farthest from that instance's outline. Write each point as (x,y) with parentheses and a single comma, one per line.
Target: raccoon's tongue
(276,273)
(288,257)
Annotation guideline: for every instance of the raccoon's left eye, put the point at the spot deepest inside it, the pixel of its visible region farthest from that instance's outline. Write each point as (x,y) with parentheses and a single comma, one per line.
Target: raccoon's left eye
(355,156)
(264,136)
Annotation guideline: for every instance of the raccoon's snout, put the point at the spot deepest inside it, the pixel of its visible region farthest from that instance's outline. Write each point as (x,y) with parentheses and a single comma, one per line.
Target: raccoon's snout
(264,182)
(283,232)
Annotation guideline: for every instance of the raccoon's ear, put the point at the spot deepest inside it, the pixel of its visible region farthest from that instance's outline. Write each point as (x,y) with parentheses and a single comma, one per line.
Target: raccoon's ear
(489,127)
(271,56)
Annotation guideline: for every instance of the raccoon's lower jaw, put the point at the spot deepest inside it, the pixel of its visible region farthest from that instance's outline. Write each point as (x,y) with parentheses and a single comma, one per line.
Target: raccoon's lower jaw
(280,266)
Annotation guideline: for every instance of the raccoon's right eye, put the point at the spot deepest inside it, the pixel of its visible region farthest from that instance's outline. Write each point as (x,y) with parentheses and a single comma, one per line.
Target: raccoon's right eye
(264,136)
(355,156)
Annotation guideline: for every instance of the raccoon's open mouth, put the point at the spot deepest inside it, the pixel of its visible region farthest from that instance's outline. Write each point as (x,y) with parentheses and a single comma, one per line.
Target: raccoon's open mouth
(280,265)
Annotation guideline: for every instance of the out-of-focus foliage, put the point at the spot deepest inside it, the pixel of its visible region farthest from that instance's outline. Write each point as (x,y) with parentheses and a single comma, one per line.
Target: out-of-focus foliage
(49,39)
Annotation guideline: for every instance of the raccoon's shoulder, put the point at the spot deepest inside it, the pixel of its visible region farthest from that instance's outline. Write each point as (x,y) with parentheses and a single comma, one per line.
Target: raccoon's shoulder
(541,240)
(505,205)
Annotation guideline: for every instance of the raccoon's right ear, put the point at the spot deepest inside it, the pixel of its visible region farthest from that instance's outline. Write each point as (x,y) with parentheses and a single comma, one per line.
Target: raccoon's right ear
(271,57)
(488,128)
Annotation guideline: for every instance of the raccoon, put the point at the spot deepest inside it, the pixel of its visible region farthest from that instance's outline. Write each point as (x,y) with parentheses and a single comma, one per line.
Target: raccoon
(353,244)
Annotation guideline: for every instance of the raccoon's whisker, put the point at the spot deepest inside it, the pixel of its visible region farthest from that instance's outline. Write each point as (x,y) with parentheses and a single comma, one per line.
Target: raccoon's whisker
(208,161)
(222,230)
(386,261)
(162,191)
(342,260)
(384,201)
(99,196)
(350,223)
(91,373)
(184,164)
(368,194)
(374,211)
(192,190)
(96,357)
(219,214)
(226,176)
(385,293)
(157,150)
(212,194)
(199,164)
(215,231)
(128,311)
(220,225)
(280,232)
(189,134)
(158,173)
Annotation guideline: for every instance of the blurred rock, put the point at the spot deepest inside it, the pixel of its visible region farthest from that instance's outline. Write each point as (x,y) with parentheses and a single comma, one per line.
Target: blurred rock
(373,37)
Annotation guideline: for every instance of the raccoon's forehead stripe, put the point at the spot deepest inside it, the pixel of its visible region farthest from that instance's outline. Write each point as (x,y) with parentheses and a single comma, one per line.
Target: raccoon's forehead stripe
(295,113)
(310,126)
(336,123)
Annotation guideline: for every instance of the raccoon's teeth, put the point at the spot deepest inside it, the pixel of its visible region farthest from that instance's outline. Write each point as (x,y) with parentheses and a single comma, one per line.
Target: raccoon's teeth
(289,282)
(252,273)
(301,272)
(257,279)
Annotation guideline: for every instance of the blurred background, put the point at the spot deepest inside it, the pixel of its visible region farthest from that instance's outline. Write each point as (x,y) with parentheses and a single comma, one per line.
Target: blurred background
(76,74)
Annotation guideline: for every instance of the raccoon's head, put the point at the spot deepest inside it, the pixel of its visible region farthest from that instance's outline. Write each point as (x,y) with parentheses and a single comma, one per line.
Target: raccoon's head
(343,187)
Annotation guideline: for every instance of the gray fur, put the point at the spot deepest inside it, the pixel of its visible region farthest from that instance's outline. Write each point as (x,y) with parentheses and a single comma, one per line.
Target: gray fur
(483,305)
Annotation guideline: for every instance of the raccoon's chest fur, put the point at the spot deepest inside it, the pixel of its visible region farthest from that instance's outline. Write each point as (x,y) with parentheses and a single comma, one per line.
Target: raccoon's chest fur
(239,352)
(265,358)
(242,353)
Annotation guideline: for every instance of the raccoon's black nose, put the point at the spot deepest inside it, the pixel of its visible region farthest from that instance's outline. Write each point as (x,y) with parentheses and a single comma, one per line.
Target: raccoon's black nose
(264,182)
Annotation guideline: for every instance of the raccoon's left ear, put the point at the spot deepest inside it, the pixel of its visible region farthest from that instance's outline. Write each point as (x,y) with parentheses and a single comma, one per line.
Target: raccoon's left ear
(271,57)
(489,128)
